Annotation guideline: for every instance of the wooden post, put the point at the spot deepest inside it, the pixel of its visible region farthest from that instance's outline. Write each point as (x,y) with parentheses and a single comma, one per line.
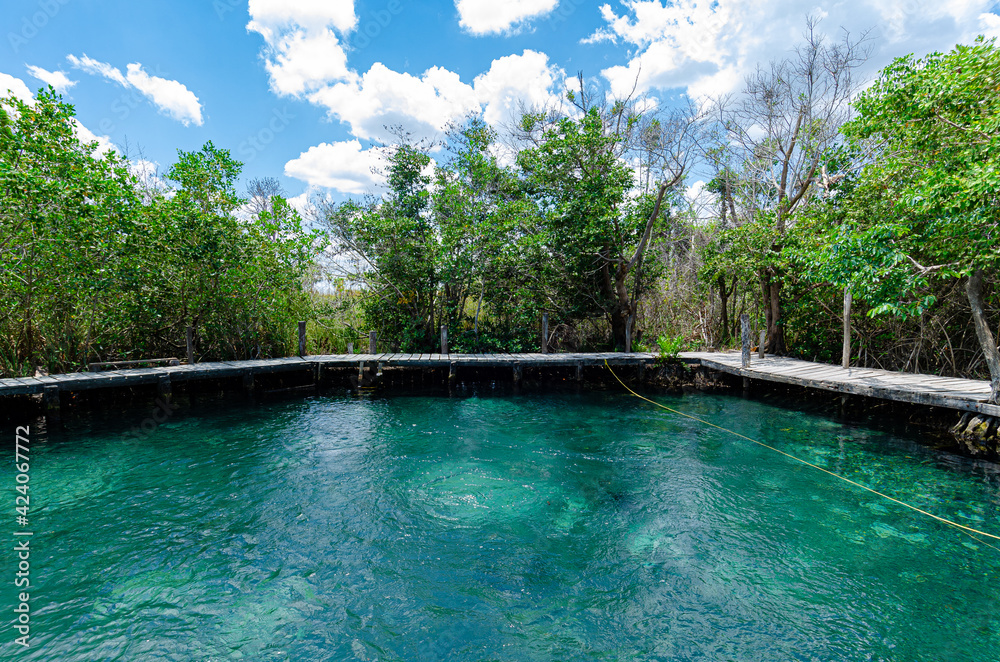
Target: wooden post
(628,333)
(517,374)
(372,337)
(350,348)
(452,374)
(50,395)
(745,338)
(579,371)
(444,338)
(846,359)
(163,386)
(302,338)
(760,345)
(545,333)
(190,345)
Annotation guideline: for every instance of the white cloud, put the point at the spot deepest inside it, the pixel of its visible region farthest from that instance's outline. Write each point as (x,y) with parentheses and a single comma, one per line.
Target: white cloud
(383,97)
(91,66)
(303,52)
(425,105)
(11,85)
(342,166)
(496,16)
(708,47)
(517,81)
(303,62)
(268,16)
(57,79)
(989,25)
(169,96)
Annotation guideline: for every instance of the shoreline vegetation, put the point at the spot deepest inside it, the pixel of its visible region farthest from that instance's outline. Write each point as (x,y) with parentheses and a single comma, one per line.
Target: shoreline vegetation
(836,213)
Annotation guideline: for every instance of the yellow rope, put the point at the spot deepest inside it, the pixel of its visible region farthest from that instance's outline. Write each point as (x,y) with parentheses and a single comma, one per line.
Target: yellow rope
(968,530)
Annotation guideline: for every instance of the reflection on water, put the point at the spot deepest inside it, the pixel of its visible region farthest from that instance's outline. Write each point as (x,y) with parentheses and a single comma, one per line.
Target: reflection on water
(560,526)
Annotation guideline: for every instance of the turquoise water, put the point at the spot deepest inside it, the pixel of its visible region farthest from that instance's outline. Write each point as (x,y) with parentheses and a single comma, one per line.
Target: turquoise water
(541,527)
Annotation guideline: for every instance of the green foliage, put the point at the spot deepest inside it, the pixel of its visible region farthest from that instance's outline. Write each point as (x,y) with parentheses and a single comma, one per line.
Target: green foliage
(670,348)
(465,256)
(95,268)
(936,122)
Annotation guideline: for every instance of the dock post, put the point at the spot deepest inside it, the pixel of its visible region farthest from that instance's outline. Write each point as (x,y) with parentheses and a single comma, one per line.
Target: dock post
(50,395)
(190,345)
(517,374)
(628,333)
(452,374)
(846,358)
(745,338)
(444,338)
(302,338)
(350,348)
(163,387)
(545,333)
(579,371)
(372,337)
(760,345)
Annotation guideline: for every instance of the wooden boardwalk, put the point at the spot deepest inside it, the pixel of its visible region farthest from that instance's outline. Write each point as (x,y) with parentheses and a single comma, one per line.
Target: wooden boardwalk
(82,381)
(959,394)
(949,392)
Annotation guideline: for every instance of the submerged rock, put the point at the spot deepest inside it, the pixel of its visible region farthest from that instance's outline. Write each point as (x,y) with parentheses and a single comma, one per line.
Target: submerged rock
(978,434)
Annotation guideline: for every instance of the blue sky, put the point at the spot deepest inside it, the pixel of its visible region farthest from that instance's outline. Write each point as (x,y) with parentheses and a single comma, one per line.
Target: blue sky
(300,89)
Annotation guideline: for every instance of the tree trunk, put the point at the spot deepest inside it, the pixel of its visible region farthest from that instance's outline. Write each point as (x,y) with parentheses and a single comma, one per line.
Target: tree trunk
(775,326)
(724,296)
(974,290)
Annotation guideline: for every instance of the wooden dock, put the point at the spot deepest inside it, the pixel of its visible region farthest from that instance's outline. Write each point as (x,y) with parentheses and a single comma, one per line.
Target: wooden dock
(948,392)
(951,393)
(165,375)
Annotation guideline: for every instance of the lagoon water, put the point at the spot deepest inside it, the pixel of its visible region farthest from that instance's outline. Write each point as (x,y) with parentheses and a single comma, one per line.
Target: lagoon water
(560,526)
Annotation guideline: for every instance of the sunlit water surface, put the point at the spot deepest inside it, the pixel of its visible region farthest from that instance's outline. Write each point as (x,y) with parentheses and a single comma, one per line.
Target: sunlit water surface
(541,527)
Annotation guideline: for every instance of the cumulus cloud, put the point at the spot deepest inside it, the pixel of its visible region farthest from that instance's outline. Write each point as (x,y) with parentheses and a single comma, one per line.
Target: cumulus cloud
(306,57)
(11,85)
(302,49)
(302,62)
(169,96)
(383,97)
(269,16)
(342,166)
(521,81)
(424,105)
(89,65)
(708,47)
(57,79)
(482,17)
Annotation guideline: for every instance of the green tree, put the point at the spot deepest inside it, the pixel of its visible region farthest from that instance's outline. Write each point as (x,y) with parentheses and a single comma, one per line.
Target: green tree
(597,234)
(934,125)
(65,213)
(778,135)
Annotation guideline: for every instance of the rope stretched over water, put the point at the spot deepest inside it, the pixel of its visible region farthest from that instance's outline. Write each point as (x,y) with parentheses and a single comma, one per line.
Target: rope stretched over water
(967,530)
